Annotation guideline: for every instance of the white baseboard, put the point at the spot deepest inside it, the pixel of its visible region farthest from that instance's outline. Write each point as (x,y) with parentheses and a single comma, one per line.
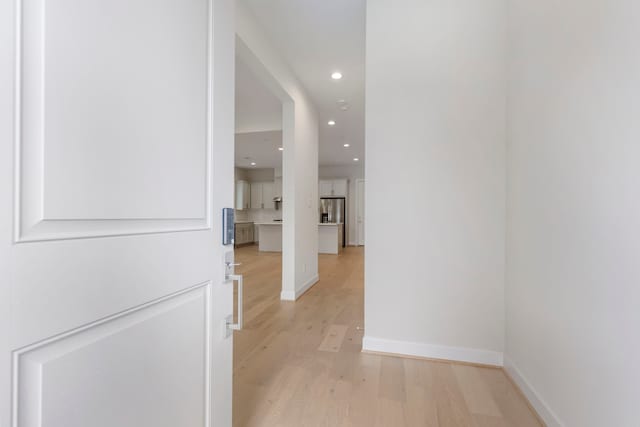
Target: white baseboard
(540,406)
(432,351)
(293,296)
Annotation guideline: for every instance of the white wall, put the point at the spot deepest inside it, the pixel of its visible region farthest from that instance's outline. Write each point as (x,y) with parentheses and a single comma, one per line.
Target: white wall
(435,146)
(300,156)
(255,174)
(350,172)
(260,175)
(573,289)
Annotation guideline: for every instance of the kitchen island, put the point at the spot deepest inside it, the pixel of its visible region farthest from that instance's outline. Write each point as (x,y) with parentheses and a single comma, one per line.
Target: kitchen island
(270,239)
(330,238)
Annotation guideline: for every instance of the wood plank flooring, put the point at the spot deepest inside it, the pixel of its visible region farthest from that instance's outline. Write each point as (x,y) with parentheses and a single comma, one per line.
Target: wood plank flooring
(300,364)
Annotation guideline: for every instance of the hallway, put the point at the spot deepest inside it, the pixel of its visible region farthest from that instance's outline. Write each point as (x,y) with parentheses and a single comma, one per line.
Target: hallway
(300,364)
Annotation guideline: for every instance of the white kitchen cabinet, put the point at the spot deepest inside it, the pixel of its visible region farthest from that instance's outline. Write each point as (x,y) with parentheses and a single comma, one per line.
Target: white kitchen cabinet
(262,194)
(243,195)
(243,233)
(278,187)
(333,188)
(268,193)
(340,187)
(256,195)
(325,188)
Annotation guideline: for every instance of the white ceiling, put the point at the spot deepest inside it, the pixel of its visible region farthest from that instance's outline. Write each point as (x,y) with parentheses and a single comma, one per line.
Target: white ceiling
(259,147)
(257,109)
(316,38)
(258,122)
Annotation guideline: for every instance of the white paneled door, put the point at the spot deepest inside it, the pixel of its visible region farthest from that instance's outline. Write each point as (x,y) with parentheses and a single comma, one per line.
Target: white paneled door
(116,158)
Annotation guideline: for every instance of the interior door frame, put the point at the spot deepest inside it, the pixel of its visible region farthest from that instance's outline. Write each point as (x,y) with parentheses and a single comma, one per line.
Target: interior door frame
(358,191)
(262,72)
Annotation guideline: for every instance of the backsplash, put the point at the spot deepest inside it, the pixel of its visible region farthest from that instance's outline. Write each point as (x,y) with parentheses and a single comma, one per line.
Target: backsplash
(264,215)
(242,215)
(258,215)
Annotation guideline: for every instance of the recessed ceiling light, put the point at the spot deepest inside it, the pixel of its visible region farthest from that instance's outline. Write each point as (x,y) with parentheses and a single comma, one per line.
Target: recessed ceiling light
(336,75)
(281,148)
(253,163)
(331,122)
(346,145)
(356,159)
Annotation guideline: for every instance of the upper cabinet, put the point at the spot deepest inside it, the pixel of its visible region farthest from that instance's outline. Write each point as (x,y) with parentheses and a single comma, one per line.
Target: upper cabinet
(277,192)
(278,187)
(256,195)
(340,187)
(333,188)
(262,194)
(268,193)
(243,195)
(326,188)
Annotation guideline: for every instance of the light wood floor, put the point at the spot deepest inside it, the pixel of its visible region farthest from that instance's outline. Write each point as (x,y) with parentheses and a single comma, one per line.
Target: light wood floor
(300,364)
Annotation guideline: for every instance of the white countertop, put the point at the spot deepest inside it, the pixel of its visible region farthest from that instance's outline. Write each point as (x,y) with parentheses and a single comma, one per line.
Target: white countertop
(321,224)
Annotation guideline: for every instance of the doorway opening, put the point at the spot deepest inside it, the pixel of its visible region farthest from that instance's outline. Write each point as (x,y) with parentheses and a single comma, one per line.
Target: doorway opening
(259,196)
(318,316)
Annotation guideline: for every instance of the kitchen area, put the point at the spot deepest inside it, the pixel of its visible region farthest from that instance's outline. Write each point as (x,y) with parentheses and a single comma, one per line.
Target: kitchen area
(281,257)
(332,216)
(259,198)
(258,204)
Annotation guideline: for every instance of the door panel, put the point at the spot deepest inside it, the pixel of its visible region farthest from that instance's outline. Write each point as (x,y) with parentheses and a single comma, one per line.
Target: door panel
(128,130)
(103,114)
(113,172)
(67,381)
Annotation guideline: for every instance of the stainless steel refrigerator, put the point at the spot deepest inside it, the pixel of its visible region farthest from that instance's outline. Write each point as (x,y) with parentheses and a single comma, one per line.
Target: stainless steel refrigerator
(334,210)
